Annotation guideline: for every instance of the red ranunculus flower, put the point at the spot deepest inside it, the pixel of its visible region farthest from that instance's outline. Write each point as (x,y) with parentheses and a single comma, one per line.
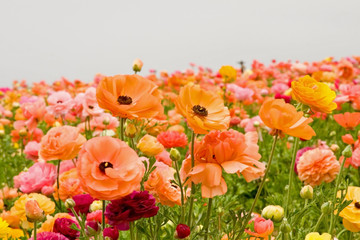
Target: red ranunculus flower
(63,226)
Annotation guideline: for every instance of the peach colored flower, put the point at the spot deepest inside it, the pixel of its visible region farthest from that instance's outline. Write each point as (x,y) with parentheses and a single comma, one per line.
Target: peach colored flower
(317,166)
(150,146)
(108,168)
(172,139)
(62,143)
(164,157)
(69,185)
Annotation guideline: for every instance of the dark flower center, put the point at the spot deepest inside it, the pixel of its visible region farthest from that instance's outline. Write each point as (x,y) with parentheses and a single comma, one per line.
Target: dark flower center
(357,205)
(200,110)
(91,107)
(124,100)
(105,165)
(59,102)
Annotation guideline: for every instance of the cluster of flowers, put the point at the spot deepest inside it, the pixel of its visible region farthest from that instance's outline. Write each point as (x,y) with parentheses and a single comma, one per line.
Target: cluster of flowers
(112,152)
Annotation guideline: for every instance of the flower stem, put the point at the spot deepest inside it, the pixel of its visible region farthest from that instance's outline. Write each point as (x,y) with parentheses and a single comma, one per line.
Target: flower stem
(78,220)
(192,184)
(103,214)
(291,176)
(58,184)
(122,121)
(248,216)
(132,230)
(332,220)
(182,216)
(35,228)
(207,219)
(318,222)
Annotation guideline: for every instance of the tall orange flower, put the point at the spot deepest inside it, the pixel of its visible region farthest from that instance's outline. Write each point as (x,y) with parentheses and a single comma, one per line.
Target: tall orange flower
(283,118)
(203,110)
(232,151)
(109,169)
(129,96)
(348,120)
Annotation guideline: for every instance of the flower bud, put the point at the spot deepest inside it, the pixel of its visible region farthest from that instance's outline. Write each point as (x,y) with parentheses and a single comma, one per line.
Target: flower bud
(285,226)
(130,130)
(96,205)
(332,133)
(326,208)
(106,121)
(256,123)
(275,213)
(33,211)
(137,65)
(307,192)
(182,231)
(347,152)
(2,132)
(69,203)
(23,132)
(92,228)
(175,154)
(334,147)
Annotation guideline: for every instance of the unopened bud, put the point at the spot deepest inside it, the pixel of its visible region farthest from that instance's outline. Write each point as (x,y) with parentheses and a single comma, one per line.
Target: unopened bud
(256,123)
(2,132)
(23,132)
(307,192)
(326,208)
(95,205)
(275,213)
(137,65)
(347,152)
(130,130)
(106,121)
(332,133)
(285,226)
(175,154)
(334,147)
(69,203)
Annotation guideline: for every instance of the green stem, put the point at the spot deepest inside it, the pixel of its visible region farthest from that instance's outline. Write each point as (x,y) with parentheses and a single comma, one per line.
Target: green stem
(318,222)
(291,176)
(333,202)
(248,216)
(58,185)
(35,228)
(81,223)
(303,218)
(340,233)
(132,230)
(182,216)
(122,121)
(103,214)
(207,219)
(192,184)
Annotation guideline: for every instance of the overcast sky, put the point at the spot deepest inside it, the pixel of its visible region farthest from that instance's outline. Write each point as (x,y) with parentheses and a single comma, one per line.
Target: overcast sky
(44,39)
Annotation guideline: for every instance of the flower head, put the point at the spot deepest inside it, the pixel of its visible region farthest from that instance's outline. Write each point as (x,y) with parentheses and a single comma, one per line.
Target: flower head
(317,95)
(82,203)
(63,226)
(351,213)
(182,231)
(69,185)
(150,146)
(262,227)
(172,139)
(348,120)
(317,236)
(203,110)
(49,236)
(228,73)
(33,211)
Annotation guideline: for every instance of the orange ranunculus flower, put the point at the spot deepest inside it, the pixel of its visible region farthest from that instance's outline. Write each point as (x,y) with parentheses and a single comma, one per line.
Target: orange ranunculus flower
(12,219)
(48,225)
(230,150)
(150,146)
(161,187)
(69,185)
(317,166)
(348,120)
(317,95)
(348,139)
(351,214)
(203,110)
(283,117)
(62,143)
(33,211)
(129,96)
(108,168)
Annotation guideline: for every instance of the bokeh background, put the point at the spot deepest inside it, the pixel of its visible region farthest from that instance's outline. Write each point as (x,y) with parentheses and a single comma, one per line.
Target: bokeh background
(44,40)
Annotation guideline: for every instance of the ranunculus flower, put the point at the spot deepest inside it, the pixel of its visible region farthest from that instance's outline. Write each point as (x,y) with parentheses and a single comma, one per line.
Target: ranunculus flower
(172,139)
(228,73)
(63,226)
(39,176)
(49,236)
(109,169)
(150,146)
(82,203)
(33,211)
(182,231)
(262,227)
(48,225)
(299,153)
(31,150)
(112,233)
(62,143)
(348,120)
(69,185)
(317,236)
(60,103)
(130,208)
(351,213)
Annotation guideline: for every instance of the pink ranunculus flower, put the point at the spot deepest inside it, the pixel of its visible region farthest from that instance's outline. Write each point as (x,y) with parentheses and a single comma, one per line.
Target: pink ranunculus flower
(248,123)
(33,112)
(32,150)
(89,105)
(66,165)
(279,88)
(104,121)
(39,176)
(60,103)
(241,93)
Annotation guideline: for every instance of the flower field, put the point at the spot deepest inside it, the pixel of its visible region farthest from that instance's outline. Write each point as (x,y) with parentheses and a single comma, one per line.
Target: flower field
(269,152)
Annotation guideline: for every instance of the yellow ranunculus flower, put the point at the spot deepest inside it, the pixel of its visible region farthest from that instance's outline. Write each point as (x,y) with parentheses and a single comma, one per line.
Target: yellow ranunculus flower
(15,233)
(44,202)
(318,96)
(4,228)
(150,146)
(317,236)
(228,73)
(351,214)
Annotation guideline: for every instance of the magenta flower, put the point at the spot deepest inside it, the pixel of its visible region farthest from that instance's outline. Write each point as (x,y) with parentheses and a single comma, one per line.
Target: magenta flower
(63,226)
(112,233)
(182,231)
(82,203)
(49,236)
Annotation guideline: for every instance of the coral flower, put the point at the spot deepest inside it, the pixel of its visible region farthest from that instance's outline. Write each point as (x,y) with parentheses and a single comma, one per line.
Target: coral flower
(108,168)
(69,185)
(203,110)
(232,151)
(129,96)
(317,166)
(282,117)
(351,213)
(317,95)
(348,120)
(62,143)
(262,227)
(317,236)
(172,139)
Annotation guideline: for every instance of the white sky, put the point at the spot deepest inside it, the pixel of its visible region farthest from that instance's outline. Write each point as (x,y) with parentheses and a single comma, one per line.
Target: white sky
(44,39)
